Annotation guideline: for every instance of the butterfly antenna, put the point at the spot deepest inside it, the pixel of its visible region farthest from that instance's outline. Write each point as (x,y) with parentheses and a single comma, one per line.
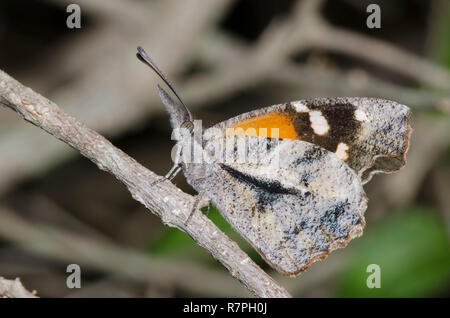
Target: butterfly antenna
(143,57)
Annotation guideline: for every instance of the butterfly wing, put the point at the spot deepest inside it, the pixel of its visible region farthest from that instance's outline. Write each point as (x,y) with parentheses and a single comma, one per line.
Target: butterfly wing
(371,135)
(292,200)
(303,197)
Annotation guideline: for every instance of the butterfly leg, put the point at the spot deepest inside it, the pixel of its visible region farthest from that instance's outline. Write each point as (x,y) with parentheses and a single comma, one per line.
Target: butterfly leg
(172,172)
(201,201)
(208,207)
(169,175)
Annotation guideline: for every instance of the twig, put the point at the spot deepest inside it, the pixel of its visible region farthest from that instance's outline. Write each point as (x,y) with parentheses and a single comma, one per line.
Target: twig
(13,289)
(164,199)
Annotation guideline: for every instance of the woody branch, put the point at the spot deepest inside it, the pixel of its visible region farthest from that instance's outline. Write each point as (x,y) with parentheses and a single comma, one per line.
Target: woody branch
(163,199)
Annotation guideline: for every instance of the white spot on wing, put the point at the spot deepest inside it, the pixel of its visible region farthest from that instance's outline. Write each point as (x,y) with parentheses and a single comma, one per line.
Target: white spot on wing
(341,151)
(300,107)
(360,115)
(318,123)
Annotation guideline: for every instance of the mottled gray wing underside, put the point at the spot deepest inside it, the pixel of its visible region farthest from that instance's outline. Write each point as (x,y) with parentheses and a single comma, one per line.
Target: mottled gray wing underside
(294,204)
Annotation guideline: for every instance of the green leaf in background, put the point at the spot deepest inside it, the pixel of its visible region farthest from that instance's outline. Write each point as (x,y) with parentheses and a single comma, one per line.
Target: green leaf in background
(175,242)
(413,251)
(440,44)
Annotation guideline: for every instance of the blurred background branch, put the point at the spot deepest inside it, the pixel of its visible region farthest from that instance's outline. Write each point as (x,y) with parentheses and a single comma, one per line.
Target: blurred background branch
(106,256)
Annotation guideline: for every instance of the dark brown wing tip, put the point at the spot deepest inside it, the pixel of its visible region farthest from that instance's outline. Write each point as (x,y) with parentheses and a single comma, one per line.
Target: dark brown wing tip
(400,158)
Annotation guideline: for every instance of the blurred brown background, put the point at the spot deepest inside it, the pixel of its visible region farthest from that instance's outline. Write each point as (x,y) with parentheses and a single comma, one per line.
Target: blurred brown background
(225,57)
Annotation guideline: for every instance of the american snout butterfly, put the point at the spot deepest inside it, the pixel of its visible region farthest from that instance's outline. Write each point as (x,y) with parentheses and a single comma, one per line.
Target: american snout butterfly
(306,197)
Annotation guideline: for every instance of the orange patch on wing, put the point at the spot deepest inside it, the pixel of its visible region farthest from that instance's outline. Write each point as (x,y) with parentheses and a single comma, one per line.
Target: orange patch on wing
(272,125)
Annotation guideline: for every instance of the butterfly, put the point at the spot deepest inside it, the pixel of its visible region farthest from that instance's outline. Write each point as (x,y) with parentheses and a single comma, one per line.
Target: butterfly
(289,178)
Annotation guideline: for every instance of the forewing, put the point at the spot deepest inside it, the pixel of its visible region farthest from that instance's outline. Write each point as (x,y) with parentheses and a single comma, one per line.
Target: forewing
(371,135)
